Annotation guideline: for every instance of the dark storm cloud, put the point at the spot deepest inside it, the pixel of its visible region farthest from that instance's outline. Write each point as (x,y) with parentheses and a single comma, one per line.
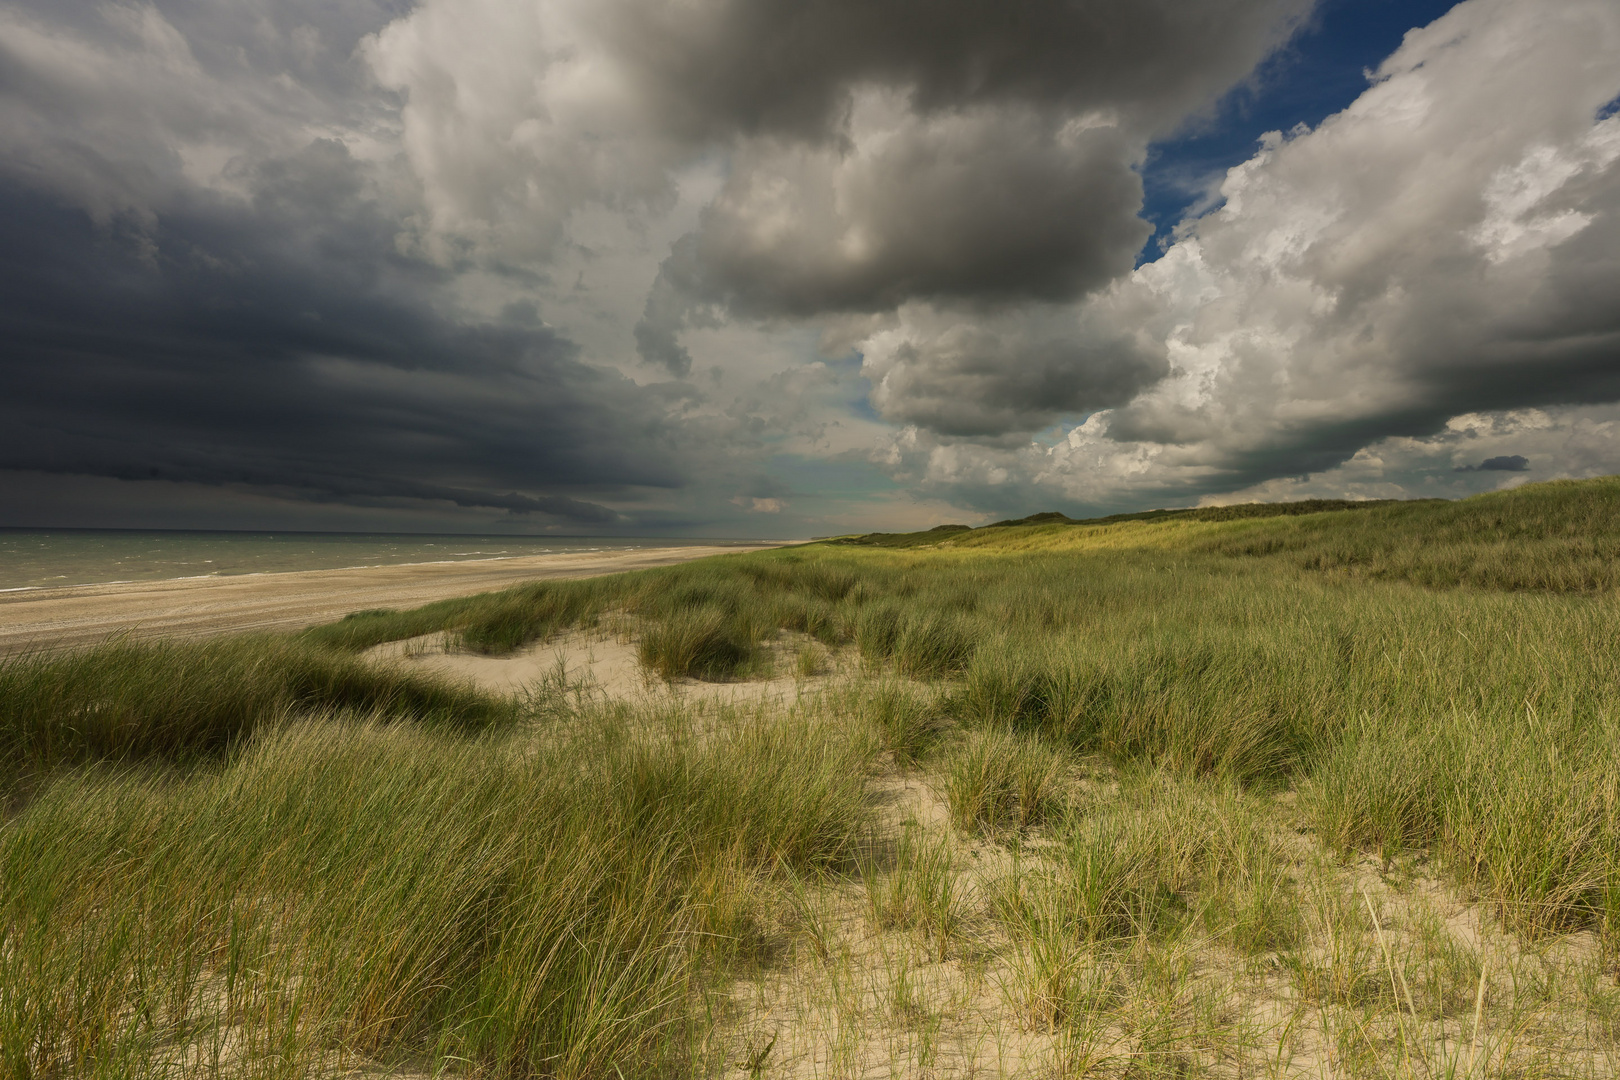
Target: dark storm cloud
(971,381)
(658,333)
(784,67)
(263,246)
(285,345)
(116,107)
(963,152)
(988,208)
(1501,463)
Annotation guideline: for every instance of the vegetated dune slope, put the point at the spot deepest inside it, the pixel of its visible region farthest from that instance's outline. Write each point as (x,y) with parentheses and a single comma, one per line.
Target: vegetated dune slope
(1317,793)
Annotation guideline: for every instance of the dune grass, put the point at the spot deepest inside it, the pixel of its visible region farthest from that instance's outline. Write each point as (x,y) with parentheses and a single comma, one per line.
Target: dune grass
(268,856)
(1323,648)
(996,779)
(1555,537)
(180,702)
(1420,645)
(403,895)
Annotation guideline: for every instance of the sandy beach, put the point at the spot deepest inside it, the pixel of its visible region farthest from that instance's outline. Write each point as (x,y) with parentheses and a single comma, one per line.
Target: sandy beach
(192,607)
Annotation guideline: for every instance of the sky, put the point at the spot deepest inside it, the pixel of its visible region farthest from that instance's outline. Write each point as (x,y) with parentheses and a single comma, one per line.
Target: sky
(762,268)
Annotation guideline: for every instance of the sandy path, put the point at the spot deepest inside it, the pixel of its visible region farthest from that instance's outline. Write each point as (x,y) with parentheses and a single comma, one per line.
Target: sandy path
(192,607)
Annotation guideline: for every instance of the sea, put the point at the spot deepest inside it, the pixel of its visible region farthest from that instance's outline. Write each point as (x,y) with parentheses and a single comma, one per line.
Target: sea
(48,559)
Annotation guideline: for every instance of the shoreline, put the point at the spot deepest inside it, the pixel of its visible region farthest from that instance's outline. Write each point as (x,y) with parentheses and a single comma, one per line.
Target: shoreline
(422,558)
(48,619)
(231,575)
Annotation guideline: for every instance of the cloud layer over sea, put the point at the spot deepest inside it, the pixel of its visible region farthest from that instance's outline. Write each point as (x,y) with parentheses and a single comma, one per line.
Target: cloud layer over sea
(781,268)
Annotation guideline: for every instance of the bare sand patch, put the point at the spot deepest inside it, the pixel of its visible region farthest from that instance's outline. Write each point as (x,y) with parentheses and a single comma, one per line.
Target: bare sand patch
(196,607)
(1391,976)
(605,661)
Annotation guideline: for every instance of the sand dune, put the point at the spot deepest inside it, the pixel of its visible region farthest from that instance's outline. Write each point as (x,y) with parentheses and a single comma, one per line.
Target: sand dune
(192,607)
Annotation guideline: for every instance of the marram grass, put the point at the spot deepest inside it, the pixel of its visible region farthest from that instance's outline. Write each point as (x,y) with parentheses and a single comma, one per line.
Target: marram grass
(177,702)
(345,890)
(266,856)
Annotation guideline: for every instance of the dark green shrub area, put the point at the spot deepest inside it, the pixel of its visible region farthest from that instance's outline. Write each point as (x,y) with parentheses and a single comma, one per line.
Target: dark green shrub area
(492,623)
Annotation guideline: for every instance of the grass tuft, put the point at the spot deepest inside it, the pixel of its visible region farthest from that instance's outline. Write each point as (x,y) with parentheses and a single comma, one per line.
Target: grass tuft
(697,644)
(998,780)
(917,892)
(909,721)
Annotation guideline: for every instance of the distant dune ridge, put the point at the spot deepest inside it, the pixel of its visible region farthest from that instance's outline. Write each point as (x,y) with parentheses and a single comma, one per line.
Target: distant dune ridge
(1242,789)
(1200,513)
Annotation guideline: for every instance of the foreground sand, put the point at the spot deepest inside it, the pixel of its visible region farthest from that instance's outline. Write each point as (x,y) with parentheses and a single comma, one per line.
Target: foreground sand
(193,607)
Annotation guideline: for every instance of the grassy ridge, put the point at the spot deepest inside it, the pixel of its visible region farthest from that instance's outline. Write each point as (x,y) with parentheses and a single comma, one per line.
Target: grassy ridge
(1560,537)
(1239,511)
(184,701)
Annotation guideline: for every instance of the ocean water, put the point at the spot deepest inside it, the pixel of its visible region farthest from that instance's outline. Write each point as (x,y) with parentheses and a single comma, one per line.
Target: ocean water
(37,559)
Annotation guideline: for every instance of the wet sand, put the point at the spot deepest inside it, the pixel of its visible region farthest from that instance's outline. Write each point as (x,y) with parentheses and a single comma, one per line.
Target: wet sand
(195,607)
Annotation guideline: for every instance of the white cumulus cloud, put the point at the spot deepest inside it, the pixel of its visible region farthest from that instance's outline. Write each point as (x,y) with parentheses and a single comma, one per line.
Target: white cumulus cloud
(1443,246)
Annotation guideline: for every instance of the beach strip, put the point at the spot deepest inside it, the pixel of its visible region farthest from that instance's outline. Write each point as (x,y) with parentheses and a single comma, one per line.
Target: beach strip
(50,619)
